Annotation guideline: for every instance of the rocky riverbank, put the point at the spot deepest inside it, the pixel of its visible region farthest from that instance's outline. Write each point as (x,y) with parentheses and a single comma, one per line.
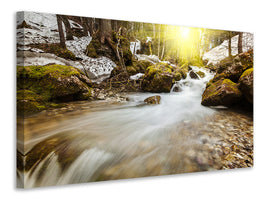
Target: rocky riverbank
(232,83)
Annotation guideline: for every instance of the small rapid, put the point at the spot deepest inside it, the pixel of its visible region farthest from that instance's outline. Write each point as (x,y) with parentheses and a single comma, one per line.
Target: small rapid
(122,141)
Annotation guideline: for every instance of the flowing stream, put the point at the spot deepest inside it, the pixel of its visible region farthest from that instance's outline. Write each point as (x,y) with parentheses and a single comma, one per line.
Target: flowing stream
(105,141)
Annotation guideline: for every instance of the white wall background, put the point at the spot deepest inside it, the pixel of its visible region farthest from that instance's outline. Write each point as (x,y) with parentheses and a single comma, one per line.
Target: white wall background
(241,15)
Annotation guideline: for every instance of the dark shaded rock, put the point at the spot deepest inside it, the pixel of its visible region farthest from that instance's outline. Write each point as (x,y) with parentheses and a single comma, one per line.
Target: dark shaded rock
(193,75)
(246,59)
(224,64)
(223,92)
(234,71)
(246,84)
(153,100)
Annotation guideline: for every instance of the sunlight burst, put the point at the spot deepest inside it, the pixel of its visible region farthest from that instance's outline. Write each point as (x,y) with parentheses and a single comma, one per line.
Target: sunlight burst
(185,32)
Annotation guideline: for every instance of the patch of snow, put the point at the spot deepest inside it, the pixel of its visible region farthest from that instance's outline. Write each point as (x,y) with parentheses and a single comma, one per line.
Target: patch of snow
(148,39)
(136,76)
(97,69)
(151,58)
(74,24)
(43,28)
(168,62)
(28,58)
(135,46)
(220,52)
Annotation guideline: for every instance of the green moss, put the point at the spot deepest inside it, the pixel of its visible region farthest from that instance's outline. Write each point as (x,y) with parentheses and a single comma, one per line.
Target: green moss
(208,84)
(247,72)
(151,71)
(29,102)
(201,74)
(56,71)
(131,70)
(39,86)
(183,73)
(220,76)
(177,76)
(55,49)
(185,66)
(142,65)
(229,82)
(213,91)
(92,48)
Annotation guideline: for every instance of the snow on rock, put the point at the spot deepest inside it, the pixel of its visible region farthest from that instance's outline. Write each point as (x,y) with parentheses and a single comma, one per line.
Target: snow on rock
(136,76)
(148,39)
(97,69)
(220,52)
(27,58)
(135,46)
(151,58)
(43,28)
(78,46)
(74,24)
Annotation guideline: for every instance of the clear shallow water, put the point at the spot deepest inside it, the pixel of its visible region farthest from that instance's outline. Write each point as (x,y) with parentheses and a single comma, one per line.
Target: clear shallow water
(103,141)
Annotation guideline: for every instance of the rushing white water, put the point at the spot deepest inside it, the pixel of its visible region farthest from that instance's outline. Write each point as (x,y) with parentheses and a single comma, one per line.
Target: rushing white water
(116,142)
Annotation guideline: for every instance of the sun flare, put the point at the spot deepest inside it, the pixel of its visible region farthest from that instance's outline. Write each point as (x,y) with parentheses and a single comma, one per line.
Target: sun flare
(185,32)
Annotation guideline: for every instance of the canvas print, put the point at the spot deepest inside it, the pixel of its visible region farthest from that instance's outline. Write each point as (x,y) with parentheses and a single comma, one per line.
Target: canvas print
(103,99)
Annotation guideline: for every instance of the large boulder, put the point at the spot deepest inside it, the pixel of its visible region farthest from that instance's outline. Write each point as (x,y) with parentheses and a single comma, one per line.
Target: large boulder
(246,84)
(223,92)
(160,78)
(153,100)
(38,86)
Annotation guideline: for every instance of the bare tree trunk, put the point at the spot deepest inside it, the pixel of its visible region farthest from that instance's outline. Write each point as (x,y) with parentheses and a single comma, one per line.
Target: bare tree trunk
(85,24)
(159,35)
(60,30)
(105,30)
(230,44)
(240,38)
(164,43)
(69,35)
(154,31)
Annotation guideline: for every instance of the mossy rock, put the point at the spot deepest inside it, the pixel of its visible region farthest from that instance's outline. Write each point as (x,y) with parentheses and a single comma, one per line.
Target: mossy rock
(160,77)
(246,84)
(93,47)
(29,102)
(246,59)
(131,70)
(56,49)
(153,100)
(141,65)
(38,86)
(232,72)
(201,74)
(224,64)
(223,92)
